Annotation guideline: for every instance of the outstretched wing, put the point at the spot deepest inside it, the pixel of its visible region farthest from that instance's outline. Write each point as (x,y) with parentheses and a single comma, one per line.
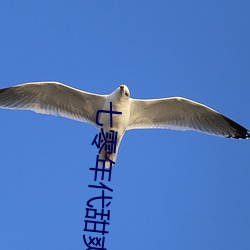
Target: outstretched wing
(53,98)
(182,114)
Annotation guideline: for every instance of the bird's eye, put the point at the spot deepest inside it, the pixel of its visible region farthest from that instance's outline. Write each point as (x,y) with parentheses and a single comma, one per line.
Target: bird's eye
(126,93)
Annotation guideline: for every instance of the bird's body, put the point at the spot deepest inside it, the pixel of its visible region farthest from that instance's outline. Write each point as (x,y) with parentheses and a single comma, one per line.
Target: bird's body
(119,121)
(167,113)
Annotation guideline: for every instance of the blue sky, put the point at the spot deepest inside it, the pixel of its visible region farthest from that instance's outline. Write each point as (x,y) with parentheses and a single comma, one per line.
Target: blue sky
(172,190)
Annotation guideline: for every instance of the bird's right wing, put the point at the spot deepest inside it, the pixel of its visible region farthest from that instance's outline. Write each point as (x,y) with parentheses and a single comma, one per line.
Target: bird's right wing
(182,114)
(53,98)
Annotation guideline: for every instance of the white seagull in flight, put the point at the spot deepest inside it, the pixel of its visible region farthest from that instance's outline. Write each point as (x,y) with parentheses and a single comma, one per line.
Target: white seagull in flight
(167,113)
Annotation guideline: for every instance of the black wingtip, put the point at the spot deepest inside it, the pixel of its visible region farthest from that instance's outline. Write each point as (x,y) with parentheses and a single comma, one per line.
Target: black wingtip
(239,131)
(248,134)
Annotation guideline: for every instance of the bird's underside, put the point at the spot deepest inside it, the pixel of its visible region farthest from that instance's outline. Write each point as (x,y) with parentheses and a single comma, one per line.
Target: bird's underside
(167,113)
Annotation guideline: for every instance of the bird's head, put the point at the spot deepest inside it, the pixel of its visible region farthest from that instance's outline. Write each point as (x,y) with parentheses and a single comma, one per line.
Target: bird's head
(124,91)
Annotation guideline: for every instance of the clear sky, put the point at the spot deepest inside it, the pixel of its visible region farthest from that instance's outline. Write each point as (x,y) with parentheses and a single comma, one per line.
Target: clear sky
(172,190)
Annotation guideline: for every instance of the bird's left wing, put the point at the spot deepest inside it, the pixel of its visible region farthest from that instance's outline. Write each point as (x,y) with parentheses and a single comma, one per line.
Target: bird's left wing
(53,98)
(182,114)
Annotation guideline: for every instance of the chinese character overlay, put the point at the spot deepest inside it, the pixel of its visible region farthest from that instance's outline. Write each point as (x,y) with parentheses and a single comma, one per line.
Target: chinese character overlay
(105,111)
(96,220)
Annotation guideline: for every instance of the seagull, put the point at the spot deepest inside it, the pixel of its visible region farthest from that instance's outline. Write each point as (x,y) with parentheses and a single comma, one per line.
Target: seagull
(176,113)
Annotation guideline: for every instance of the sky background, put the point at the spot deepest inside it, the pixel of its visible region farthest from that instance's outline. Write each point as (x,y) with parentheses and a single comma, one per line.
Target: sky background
(172,190)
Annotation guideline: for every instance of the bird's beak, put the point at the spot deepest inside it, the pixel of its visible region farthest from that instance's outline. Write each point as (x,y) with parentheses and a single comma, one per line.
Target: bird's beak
(122,88)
